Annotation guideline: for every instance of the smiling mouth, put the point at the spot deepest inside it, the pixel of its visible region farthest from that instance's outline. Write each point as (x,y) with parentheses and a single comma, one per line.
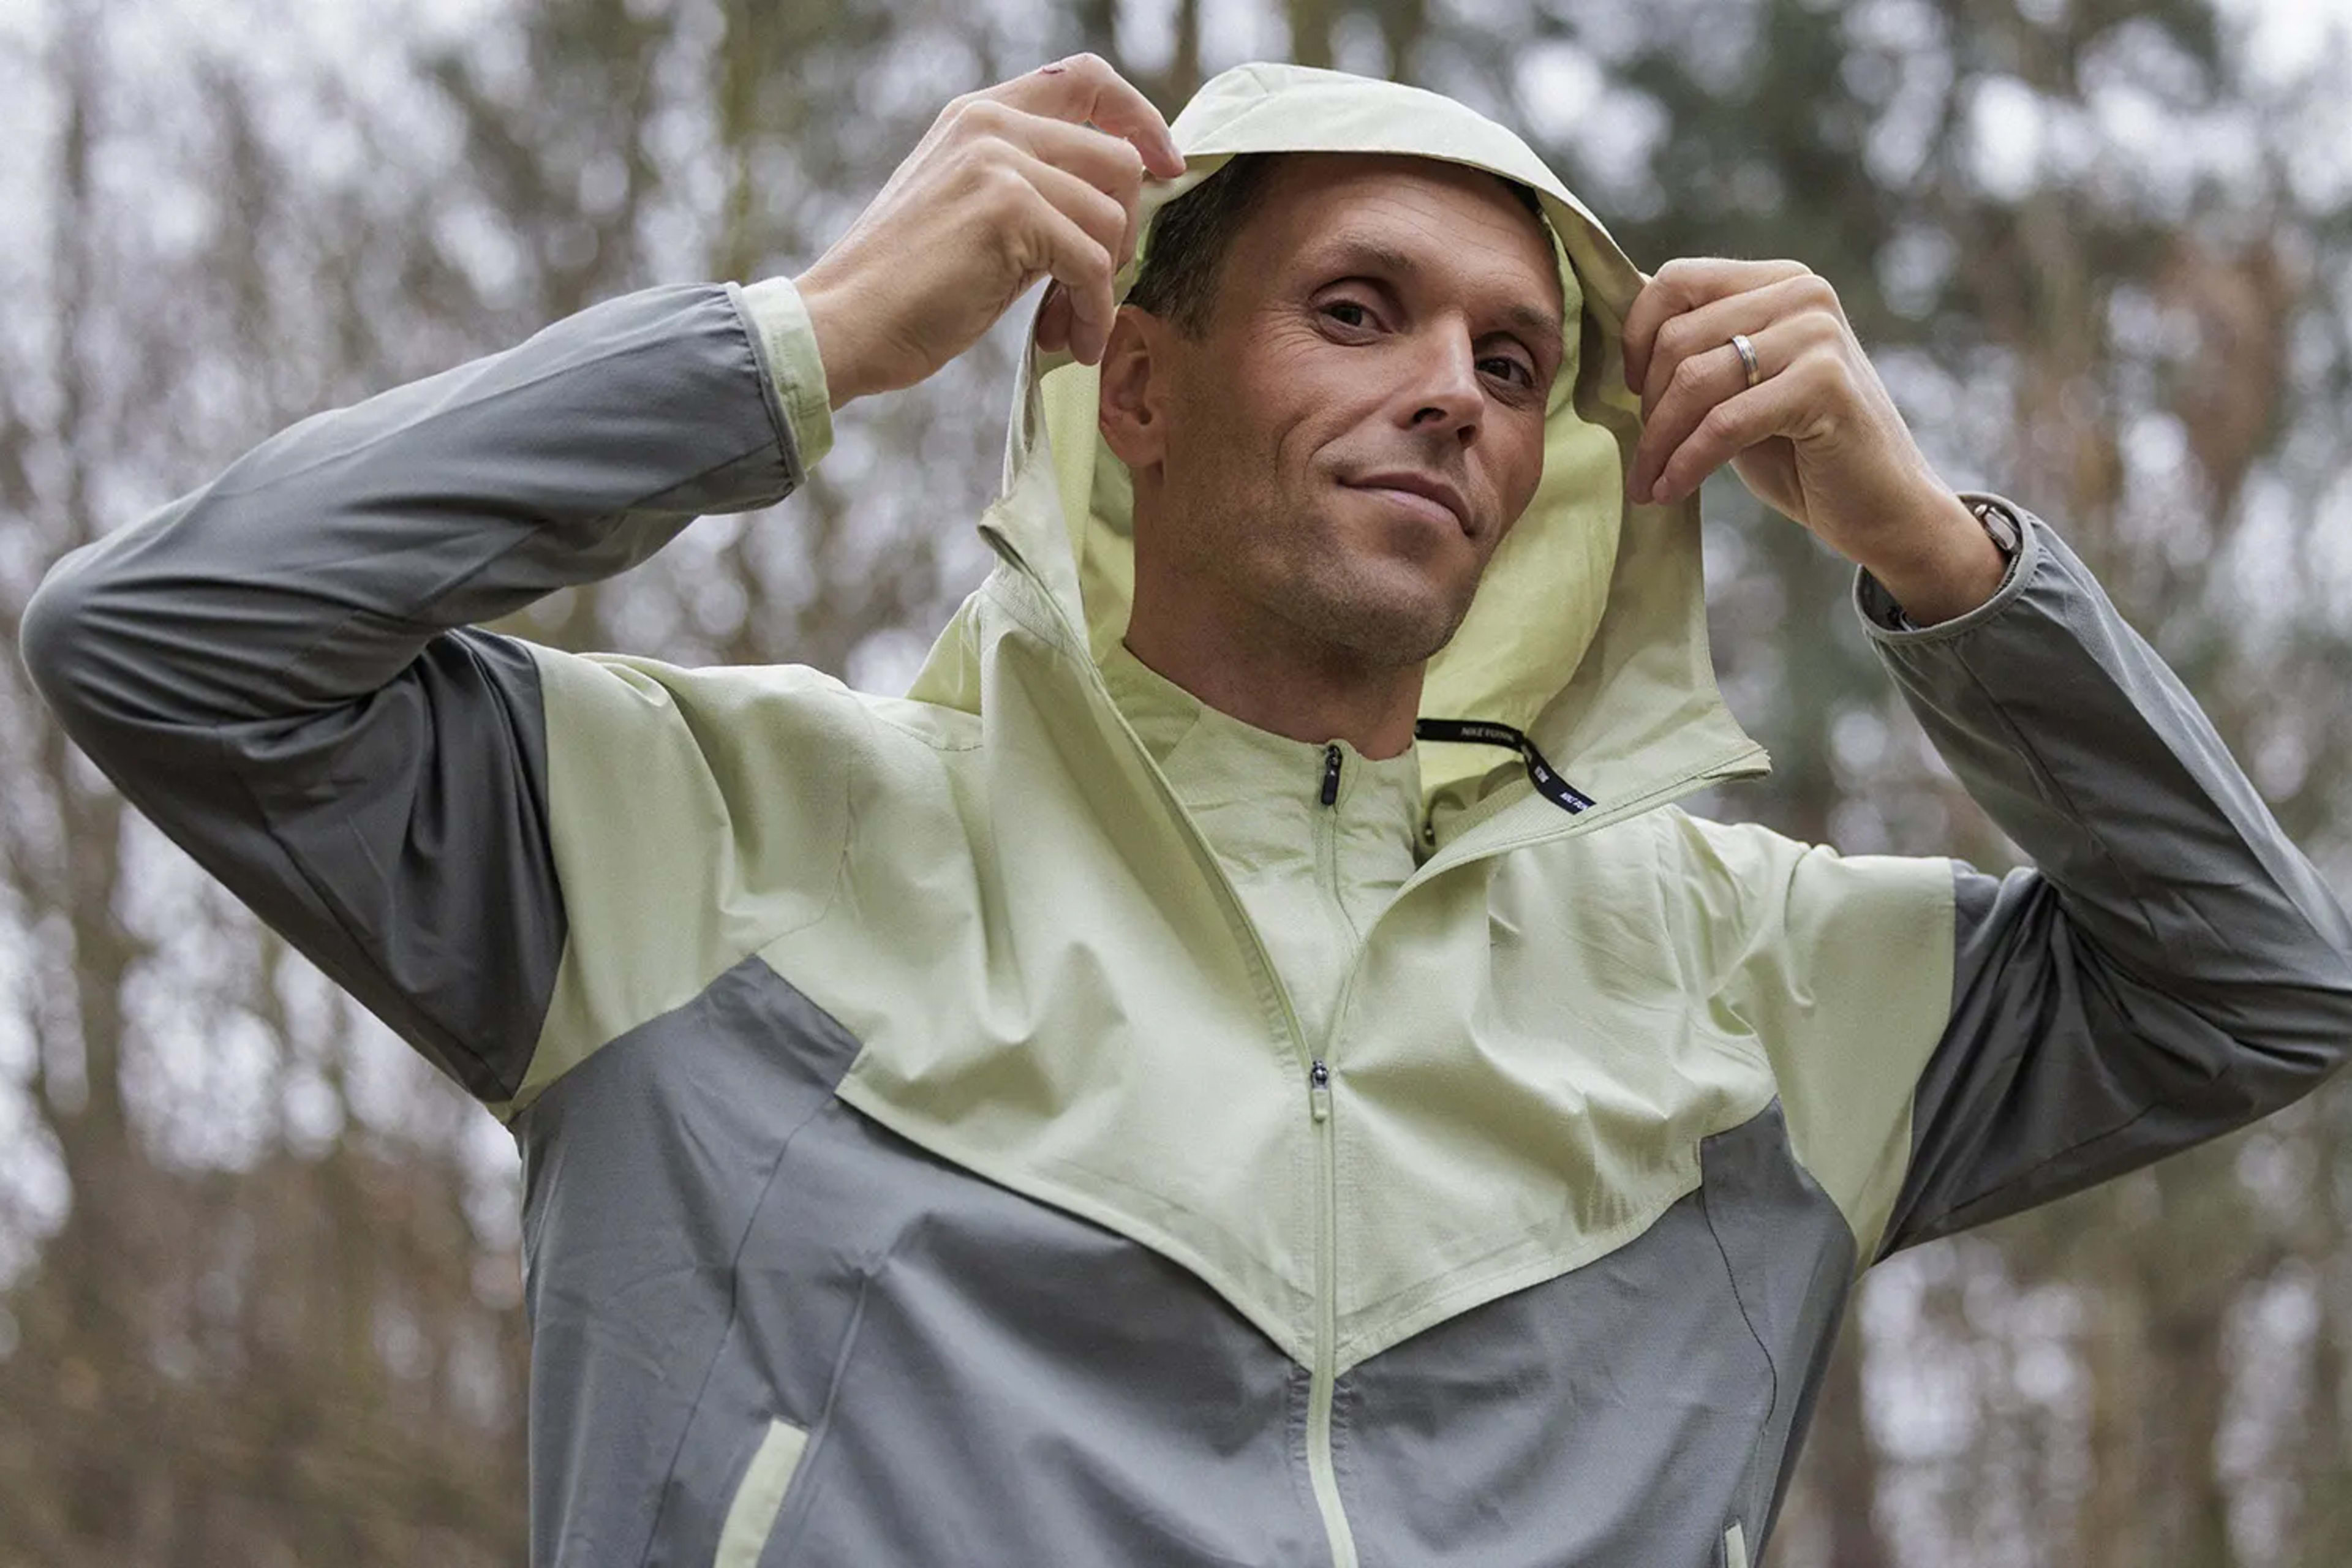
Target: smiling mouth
(1423,506)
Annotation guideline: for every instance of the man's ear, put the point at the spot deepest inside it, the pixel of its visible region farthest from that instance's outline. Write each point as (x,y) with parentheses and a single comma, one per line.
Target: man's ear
(1132,407)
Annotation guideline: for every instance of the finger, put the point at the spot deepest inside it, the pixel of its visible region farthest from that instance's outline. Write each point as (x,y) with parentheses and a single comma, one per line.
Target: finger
(1107,221)
(1779,406)
(1703,382)
(1097,212)
(1709,326)
(1110,165)
(1081,264)
(1084,88)
(1685,284)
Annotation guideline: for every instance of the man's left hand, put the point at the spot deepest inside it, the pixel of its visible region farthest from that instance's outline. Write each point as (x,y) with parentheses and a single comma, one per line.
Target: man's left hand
(1816,438)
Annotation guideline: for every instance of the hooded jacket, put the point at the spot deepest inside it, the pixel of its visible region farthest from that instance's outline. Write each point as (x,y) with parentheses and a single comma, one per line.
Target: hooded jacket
(950,1137)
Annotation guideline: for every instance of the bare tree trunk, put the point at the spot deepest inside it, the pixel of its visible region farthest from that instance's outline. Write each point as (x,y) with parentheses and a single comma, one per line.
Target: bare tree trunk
(1841,1463)
(1402,24)
(2196,1389)
(83,1311)
(1311,31)
(1099,29)
(1184,64)
(2112,1528)
(2323,1533)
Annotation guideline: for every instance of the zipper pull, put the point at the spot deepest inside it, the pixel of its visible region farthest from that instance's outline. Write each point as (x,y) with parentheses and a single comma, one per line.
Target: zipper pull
(1330,773)
(1319,1091)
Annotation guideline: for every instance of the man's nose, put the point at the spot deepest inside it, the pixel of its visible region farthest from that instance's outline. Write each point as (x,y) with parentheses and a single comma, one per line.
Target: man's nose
(1446,392)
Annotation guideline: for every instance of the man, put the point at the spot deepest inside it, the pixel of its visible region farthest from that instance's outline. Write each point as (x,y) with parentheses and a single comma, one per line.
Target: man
(1245,1064)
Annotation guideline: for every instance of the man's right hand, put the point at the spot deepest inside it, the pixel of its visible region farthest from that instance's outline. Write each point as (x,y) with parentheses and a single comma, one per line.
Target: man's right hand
(1039,176)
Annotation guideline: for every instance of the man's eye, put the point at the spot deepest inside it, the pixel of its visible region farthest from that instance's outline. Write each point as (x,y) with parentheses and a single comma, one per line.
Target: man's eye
(1355,314)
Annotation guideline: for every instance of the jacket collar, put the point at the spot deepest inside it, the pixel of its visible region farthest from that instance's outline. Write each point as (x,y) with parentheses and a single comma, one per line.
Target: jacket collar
(1214,760)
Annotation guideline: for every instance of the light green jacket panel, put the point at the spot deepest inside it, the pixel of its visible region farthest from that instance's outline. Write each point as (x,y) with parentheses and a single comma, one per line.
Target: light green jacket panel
(1316,839)
(1839,968)
(697,815)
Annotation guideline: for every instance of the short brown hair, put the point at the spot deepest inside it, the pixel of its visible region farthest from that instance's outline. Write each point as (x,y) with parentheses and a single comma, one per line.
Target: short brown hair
(1189,236)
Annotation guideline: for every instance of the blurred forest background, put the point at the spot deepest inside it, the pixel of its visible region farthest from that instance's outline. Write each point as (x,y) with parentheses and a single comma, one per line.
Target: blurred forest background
(258,1279)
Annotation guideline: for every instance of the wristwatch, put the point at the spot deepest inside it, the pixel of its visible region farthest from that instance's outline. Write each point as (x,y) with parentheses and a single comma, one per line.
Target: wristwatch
(2000,525)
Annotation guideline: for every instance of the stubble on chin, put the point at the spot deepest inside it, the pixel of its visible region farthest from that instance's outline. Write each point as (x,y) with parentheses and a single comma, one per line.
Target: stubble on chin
(1380,616)
(1334,598)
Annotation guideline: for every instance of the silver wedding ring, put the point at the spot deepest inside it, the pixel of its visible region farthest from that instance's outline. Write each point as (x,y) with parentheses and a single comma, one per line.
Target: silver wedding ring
(1746,352)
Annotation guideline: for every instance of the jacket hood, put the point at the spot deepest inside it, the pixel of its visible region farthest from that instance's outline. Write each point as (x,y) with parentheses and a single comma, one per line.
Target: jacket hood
(1588,628)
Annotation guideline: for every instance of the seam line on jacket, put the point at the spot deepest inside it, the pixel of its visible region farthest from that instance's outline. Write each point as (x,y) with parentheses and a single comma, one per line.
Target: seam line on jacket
(820,1429)
(1731,1273)
(734,1285)
(1950,1218)
(2053,789)
(1348,1348)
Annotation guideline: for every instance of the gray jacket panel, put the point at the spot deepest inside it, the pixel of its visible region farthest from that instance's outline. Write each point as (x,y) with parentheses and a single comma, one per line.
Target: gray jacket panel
(2173,967)
(716,1243)
(269,667)
(1632,1411)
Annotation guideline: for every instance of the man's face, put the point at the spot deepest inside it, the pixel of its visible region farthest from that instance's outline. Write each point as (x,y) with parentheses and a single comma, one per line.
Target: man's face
(1384,326)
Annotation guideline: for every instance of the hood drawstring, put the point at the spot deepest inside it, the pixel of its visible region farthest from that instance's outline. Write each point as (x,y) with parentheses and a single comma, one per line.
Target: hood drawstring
(1487,732)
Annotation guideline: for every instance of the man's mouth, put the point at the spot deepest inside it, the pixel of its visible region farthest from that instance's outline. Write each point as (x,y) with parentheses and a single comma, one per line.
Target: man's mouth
(1432,497)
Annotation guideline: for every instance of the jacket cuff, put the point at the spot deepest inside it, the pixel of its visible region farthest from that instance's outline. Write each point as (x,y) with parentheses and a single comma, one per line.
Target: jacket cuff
(1884,618)
(788,343)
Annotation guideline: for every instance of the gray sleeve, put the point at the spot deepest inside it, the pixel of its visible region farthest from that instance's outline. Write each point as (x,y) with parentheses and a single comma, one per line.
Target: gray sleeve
(2170,969)
(278,669)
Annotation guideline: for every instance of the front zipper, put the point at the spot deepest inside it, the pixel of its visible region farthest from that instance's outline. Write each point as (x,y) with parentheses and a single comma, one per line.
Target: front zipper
(1323,1374)
(1322,1476)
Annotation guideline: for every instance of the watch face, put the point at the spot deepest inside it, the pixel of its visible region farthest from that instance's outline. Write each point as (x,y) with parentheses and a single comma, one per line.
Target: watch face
(1998,522)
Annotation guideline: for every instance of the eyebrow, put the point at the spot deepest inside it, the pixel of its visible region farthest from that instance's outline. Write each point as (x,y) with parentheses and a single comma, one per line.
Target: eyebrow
(1361,253)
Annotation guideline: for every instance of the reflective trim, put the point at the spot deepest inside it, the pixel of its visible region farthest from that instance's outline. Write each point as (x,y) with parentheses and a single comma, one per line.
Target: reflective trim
(759,1497)
(1735,1548)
